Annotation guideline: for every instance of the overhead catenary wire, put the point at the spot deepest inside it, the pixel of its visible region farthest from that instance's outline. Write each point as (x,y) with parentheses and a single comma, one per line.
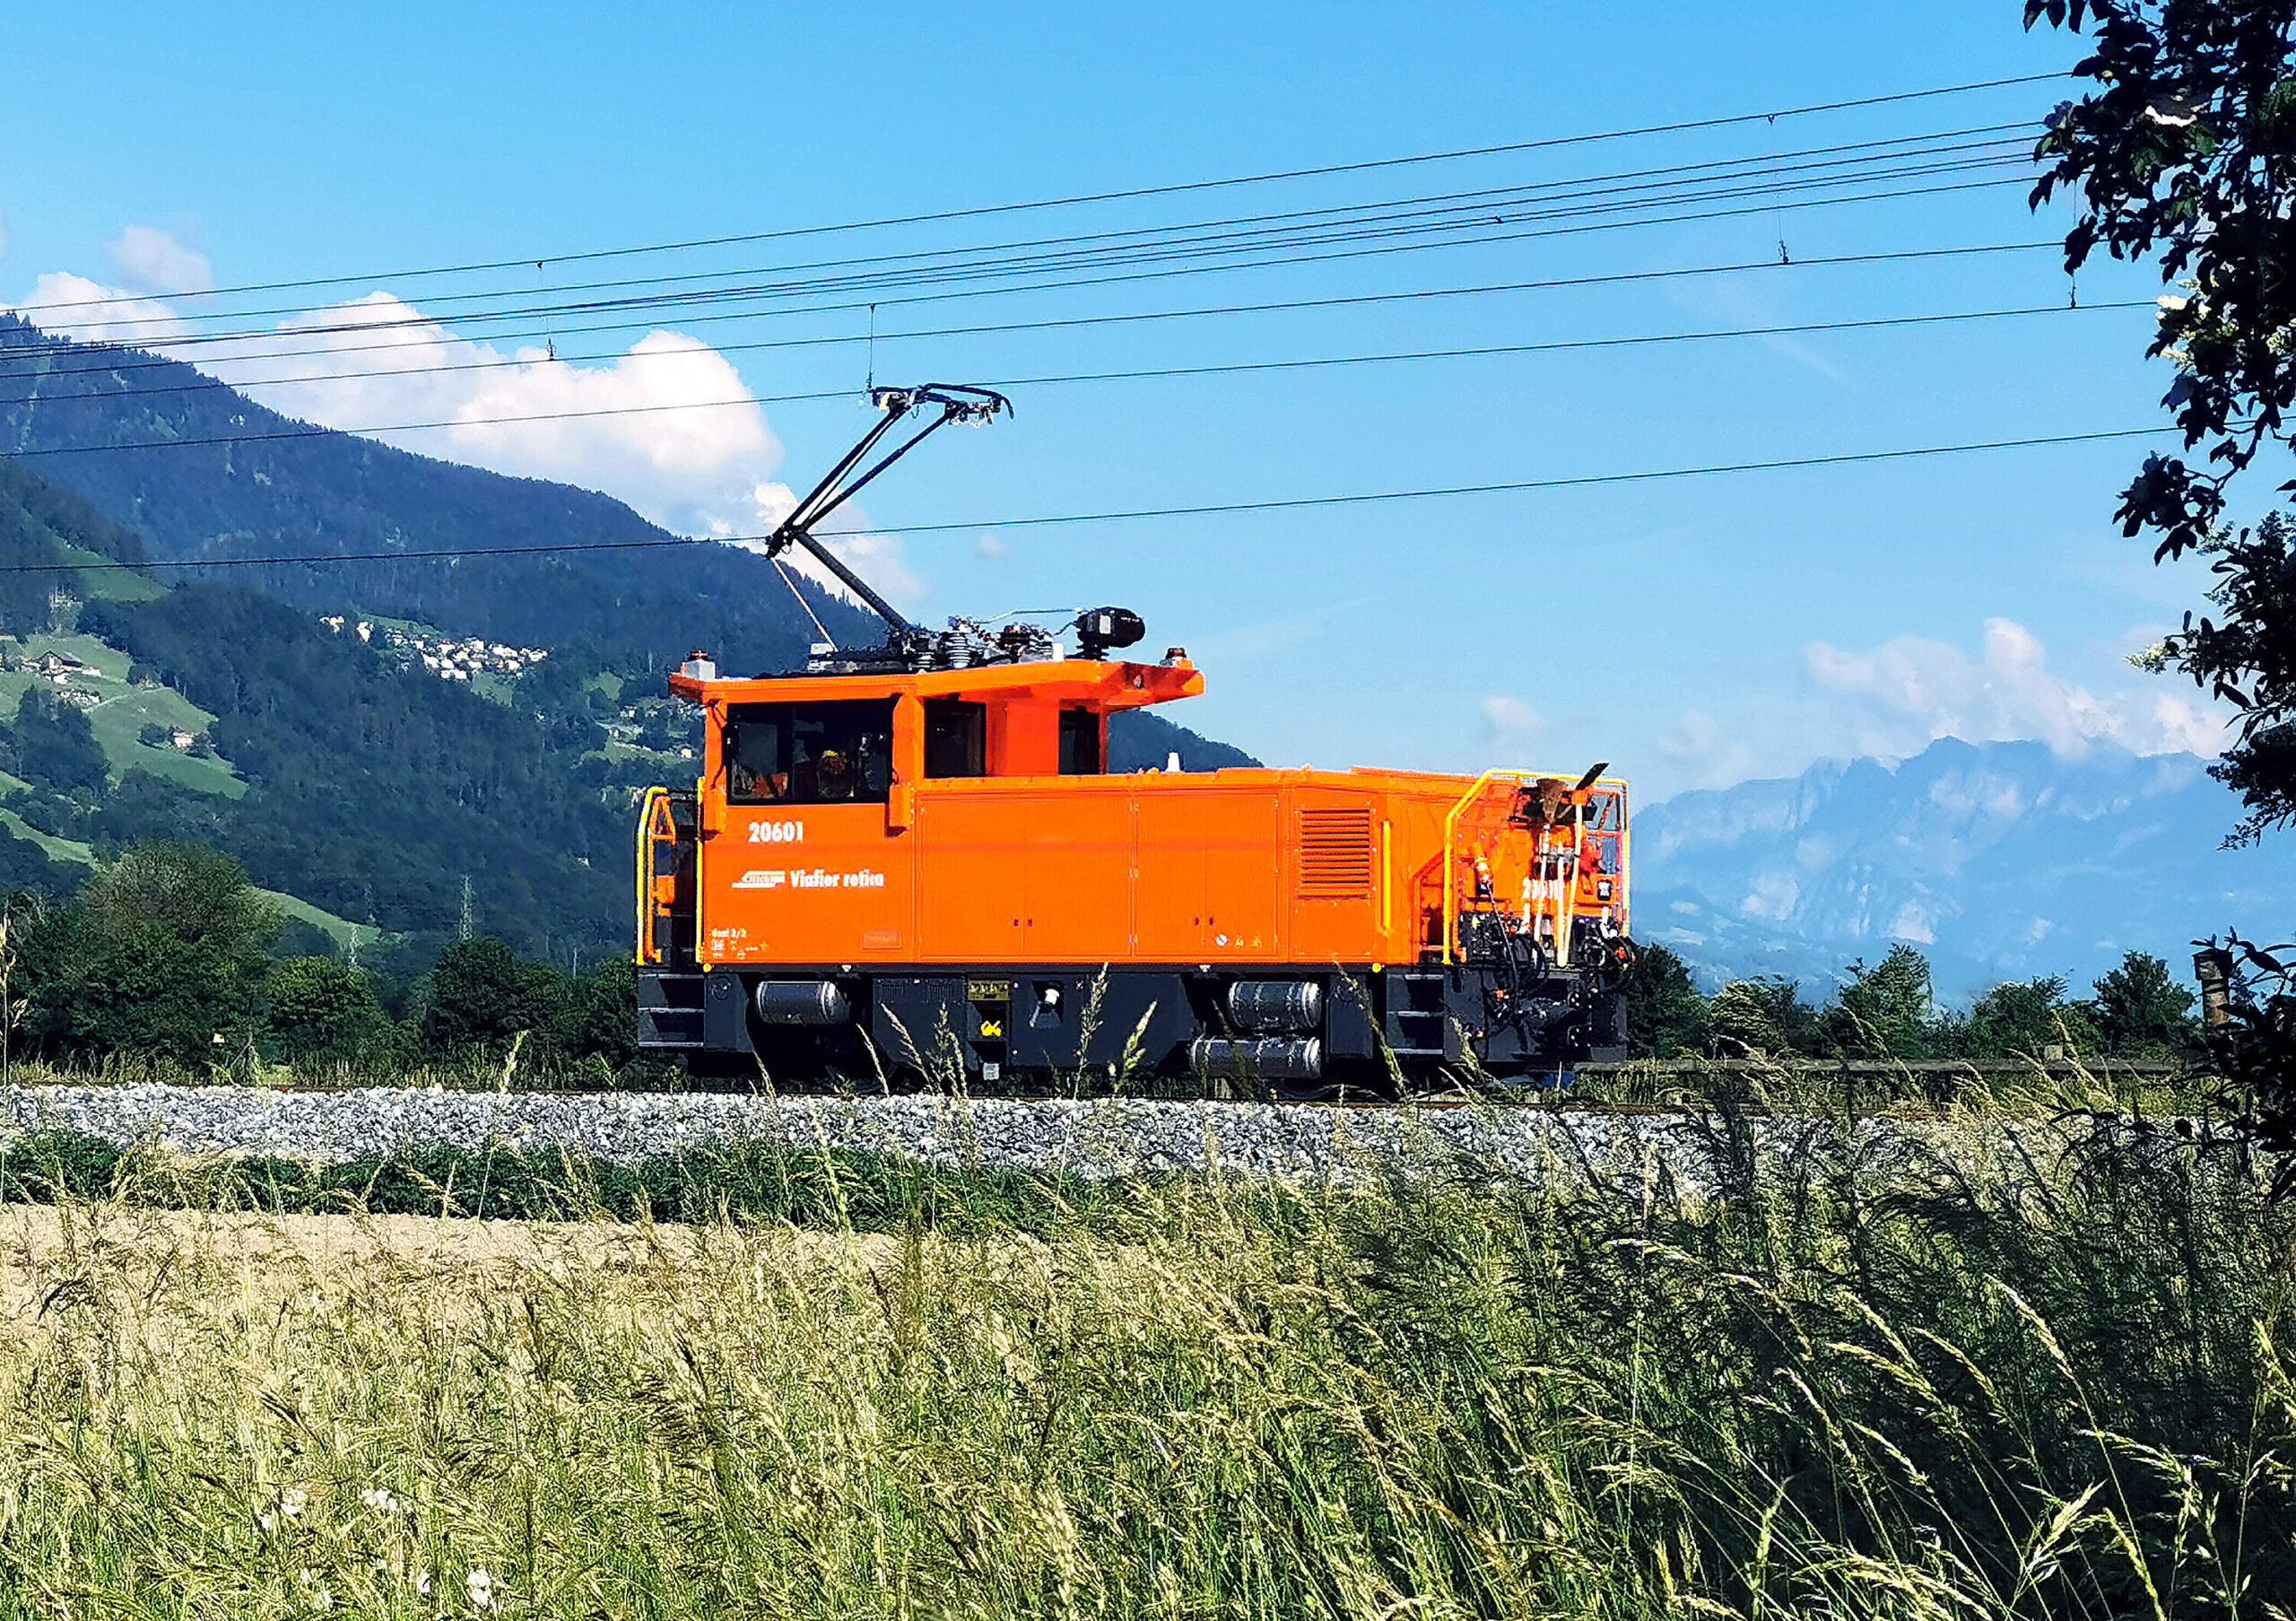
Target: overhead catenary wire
(1137,514)
(1241,230)
(1762,265)
(418,322)
(784,294)
(1080,199)
(1139,374)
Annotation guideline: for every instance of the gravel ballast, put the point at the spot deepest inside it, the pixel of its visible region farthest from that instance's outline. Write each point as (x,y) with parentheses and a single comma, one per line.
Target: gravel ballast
(1096,1138)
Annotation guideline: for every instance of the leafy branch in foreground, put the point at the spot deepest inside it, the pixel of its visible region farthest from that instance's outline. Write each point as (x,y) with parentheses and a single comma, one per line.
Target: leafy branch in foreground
(2188,151)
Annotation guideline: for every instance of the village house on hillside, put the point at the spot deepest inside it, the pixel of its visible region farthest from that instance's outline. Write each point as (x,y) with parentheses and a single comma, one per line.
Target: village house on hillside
(450,659)
(58,668)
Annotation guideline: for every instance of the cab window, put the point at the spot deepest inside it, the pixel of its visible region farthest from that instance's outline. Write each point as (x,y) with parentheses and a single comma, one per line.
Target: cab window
(1080,743)
(809,753)
(956,738)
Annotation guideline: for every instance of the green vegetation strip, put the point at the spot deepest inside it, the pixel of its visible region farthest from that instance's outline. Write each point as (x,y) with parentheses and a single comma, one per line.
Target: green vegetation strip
(822,1188)
(1816,1385)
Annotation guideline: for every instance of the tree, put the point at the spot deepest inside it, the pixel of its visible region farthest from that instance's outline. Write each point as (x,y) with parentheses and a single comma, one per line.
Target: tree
(52,742)
(1885,1011)
(481,997)
(2189,149)
(1762,1017)
(156,992)
(1665,1017)
(163,951)
(188,891)
(2143,1013)
(317,1010)
(2022,1019)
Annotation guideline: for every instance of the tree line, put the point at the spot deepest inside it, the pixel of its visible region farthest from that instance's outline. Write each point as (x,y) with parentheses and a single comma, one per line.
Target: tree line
(1889,1010)
(169,953)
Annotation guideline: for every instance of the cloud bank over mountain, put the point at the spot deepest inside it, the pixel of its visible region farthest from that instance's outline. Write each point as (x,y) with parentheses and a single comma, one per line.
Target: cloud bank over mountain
(1894,700)
(667,425)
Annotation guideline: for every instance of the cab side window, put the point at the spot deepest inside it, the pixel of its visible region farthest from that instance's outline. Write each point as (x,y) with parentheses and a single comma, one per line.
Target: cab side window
(956,738)
(1080,743)
(809,753)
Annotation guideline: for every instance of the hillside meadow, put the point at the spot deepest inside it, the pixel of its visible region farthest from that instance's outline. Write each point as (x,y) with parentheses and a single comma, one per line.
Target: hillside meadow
(1809,1379)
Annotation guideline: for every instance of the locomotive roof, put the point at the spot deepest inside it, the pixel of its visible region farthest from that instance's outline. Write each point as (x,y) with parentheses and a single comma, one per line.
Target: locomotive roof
(1099,684)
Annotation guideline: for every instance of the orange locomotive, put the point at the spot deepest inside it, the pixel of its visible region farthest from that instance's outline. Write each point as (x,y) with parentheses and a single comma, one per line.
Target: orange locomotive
(916,849)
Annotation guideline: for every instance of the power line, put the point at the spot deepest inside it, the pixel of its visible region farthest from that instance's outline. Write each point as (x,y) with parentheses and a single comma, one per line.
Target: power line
(1479,351)
(1153,275)
(646,307)
(1549,142)
(1478,203)
(1221,508)
(1030,326)
(1521,486)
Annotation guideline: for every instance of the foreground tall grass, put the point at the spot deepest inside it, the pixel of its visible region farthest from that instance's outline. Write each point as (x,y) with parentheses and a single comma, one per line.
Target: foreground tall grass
(1819,1380)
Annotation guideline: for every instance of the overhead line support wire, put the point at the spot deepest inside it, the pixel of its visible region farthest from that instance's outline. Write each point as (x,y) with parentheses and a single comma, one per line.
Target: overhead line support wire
(1220,508)
(1101,281)
(1548,142)
(1478,352)
(1768,168)
(984,329)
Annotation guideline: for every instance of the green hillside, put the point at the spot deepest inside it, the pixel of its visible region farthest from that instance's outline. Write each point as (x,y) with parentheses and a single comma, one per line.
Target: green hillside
(361,793)
(340,770)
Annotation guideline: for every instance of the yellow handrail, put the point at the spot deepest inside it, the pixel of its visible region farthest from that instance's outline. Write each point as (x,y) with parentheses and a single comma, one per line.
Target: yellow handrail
(654,799)
(1450,829)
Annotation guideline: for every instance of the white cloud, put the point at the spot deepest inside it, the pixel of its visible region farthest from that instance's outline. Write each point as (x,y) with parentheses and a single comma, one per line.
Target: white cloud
(1701,751)
(877,559)
(1508,726)
(668,426)
(149,260)
(1747,303)
(73,306)
(1897,700)
(1893,701)
(989,549)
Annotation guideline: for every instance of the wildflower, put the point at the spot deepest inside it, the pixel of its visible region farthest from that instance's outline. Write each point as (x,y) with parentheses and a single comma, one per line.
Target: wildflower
(292,1502)
(379,1498)
(422,1582)
(482,1588)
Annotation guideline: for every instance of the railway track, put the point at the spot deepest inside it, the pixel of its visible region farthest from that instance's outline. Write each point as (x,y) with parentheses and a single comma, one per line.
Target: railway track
(1550,1099)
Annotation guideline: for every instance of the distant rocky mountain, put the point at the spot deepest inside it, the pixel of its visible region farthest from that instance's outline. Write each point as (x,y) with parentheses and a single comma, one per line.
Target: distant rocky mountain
(1999,860)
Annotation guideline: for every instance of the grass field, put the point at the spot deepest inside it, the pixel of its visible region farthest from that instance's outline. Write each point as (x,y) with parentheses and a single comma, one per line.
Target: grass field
(1820,1384)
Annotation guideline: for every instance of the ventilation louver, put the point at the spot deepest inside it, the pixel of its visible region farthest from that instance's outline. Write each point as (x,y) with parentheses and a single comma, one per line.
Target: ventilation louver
(1336,854)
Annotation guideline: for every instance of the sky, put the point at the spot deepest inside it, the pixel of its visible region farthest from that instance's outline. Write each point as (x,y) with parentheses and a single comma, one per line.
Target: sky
(1692,631)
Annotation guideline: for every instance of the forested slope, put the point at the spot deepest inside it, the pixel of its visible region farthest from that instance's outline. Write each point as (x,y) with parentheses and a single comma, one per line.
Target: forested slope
(376,791)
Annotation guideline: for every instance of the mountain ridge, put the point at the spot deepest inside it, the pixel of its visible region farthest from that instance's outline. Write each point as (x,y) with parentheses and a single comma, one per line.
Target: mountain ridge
(1999,860)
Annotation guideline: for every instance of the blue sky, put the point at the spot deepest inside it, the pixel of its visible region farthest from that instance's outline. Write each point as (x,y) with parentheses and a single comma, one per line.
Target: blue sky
(1692,631)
